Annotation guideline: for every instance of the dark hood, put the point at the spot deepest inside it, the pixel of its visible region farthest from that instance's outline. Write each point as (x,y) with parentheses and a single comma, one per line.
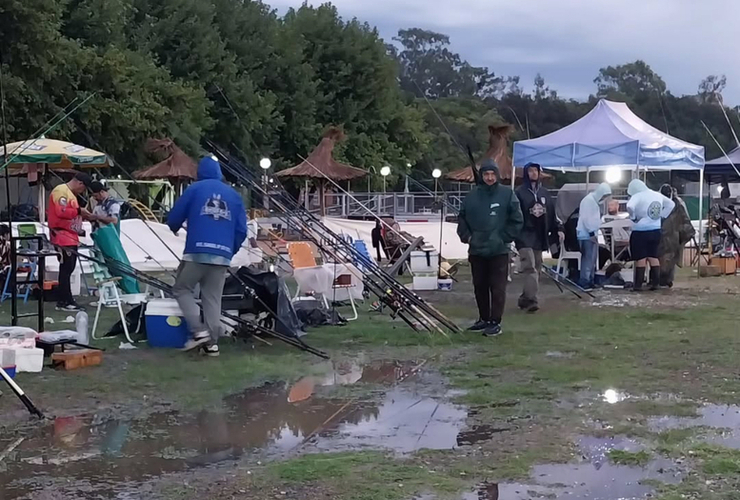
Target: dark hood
(485,166)
(532,185)
(208,168)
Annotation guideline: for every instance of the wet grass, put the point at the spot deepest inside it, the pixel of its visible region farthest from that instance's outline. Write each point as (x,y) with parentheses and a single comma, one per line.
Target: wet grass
(367,476)
(664,360)
(634,459)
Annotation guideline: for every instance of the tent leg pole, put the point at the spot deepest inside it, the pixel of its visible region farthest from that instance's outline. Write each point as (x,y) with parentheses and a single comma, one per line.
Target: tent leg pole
(701,219)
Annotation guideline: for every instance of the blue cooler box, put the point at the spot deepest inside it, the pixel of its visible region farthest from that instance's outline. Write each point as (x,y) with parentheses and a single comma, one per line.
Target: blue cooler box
(165,326)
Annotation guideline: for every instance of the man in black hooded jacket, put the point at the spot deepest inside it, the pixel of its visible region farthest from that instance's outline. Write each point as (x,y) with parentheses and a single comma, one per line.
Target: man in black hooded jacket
(540,224)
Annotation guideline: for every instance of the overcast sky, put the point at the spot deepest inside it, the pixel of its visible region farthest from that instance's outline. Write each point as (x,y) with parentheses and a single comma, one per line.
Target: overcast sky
(567,41)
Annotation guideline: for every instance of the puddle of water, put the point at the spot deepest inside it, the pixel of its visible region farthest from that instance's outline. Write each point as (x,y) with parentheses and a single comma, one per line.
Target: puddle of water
(111,455)
(594,478)
(596,450)
(724,419)
(478,433)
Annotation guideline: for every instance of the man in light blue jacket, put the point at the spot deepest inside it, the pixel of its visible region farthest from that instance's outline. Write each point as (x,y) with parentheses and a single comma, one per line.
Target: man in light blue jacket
(647,208)
(589,222)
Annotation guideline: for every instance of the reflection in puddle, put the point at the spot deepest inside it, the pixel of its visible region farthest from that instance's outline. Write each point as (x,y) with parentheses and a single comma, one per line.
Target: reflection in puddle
(724,419)
(612,396)
(595,478)
(98,454)
(478,434)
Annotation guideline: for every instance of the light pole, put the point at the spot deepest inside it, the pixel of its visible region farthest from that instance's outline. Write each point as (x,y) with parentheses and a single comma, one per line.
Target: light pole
(436,173)
(385,171)
(265,164)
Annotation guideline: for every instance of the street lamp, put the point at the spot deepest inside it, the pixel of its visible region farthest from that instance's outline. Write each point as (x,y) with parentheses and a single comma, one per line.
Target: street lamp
(436,173)
(385,172)
(265,164)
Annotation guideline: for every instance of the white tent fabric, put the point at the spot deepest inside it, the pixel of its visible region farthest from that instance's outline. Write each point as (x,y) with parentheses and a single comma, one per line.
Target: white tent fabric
(610,135)
(146,252)
(452,247)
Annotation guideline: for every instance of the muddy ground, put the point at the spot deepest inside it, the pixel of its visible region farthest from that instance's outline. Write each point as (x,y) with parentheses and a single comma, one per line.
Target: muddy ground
(624,396)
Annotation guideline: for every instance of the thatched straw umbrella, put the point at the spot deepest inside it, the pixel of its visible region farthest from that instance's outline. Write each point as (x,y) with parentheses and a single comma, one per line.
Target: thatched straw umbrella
(321,165)
(174,164)
(498,151)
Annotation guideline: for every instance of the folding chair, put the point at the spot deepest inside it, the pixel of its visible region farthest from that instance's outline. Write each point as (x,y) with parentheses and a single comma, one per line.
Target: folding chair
(344,281)
(301,257)
(109,295)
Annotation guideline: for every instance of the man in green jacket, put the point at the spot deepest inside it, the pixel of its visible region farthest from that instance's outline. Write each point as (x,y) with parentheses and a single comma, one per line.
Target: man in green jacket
(490,219)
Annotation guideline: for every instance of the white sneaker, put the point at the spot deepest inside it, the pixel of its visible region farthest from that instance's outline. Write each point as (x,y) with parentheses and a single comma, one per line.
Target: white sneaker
(198,340)
(211,351)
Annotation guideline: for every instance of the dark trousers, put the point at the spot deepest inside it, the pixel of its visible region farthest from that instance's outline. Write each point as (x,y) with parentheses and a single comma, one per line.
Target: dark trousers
(490,277)
(67,264)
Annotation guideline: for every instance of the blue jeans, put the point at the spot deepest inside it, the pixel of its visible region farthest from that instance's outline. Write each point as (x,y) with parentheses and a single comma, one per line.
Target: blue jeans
(589,254)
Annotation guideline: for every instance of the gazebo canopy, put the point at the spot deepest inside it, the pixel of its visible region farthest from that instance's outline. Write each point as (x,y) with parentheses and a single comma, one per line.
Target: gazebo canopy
(321,164)
(723,166)
(610,135)
(176,165)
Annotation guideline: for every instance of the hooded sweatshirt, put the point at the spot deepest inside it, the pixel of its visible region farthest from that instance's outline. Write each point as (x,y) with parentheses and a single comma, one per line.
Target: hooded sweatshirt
(490,217)
(538,209)
(215,215)
(589,213)
(647,208)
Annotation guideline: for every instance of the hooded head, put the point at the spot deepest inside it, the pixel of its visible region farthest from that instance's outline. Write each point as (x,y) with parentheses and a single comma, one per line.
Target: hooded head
(208,168)
(602,191)
(636,186)
(489,165)
(532,174)
(668,191)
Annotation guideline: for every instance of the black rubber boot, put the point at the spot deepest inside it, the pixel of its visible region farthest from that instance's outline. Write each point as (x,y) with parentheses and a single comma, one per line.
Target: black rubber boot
(639,279)
(654,278)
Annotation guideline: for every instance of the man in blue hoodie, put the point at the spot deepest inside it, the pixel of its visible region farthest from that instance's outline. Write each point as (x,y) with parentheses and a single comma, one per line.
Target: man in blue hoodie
(217,227)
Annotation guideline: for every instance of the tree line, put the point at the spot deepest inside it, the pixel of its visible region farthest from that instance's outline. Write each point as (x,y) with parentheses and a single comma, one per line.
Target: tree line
(263,84)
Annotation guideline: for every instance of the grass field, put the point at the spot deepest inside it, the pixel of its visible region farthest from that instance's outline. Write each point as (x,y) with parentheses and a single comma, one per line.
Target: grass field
(606,370)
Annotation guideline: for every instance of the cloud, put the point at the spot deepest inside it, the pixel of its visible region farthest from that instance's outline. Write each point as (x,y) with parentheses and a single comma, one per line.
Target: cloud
(567,41)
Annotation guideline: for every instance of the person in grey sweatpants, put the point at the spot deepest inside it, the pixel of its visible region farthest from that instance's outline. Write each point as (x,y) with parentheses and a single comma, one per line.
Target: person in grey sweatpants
(217,227)
(211,278)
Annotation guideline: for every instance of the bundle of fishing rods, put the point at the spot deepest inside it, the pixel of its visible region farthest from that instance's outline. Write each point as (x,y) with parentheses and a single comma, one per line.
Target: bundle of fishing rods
(402,302)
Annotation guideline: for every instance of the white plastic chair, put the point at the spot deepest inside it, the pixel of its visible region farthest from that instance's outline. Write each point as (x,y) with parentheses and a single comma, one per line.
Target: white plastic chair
(566,256)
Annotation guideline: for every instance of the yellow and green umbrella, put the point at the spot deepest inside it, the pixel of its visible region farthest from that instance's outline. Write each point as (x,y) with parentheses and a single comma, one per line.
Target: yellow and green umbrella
(55,154)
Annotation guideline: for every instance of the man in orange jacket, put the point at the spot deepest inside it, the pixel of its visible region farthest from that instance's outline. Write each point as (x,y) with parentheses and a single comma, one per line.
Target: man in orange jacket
(65,227)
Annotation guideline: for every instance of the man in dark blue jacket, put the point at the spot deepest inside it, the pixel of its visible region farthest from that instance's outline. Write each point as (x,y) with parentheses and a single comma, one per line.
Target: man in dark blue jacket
(217,227)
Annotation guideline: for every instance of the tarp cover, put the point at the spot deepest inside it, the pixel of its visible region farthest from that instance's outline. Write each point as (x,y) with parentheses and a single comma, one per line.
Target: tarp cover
(452,247)
(610,135)
(146,252)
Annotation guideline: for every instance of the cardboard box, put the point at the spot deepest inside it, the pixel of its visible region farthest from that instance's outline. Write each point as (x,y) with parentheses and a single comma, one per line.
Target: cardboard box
(72,360)
(726,265)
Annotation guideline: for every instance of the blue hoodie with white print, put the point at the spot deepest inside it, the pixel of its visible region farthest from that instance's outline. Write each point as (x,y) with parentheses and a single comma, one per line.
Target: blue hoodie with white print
(215,215)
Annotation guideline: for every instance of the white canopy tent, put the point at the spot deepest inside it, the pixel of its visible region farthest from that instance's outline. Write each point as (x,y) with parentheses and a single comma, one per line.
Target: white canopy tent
(611,136)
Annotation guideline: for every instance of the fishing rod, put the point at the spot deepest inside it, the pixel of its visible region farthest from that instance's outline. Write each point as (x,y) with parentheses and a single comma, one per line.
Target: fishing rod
(340,243)
(234,275)
(309,231)
(148,280)
(154,282)
(359,257)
